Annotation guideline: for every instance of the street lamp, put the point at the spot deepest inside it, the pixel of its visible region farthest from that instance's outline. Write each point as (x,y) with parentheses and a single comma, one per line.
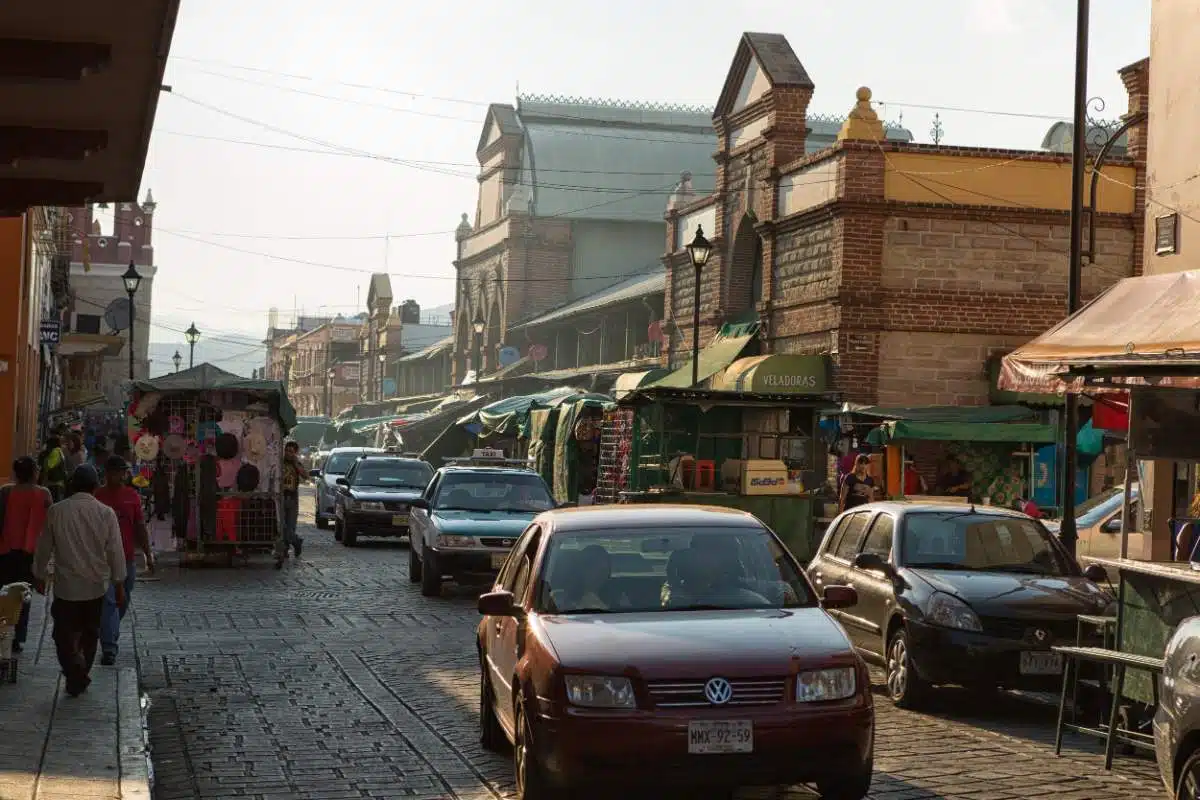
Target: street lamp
(192,335)
(479,326)
(178,359)
(698,251)
(132,281)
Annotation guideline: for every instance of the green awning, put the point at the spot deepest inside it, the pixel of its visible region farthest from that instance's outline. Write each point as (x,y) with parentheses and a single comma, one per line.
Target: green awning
(781,373)
(969,415)
(1008,432)
(723,351)
(208,378)
(628,381)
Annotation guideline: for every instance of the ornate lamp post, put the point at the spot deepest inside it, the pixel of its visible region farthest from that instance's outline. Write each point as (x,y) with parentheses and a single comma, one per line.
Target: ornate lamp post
(192,335)
(698,251)
(479,325)
(178,359)
(132,281)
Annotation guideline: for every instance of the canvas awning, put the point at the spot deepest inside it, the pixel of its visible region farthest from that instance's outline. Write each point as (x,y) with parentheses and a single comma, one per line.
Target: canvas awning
(629,381)
(1141,327)
(719,354)
(775,374)
(1007,432)
(208,378)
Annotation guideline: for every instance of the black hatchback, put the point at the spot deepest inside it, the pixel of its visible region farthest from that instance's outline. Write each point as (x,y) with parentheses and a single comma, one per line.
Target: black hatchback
(955,594)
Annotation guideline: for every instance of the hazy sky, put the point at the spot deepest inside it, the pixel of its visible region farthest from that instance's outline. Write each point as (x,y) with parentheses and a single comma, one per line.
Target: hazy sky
(310,131)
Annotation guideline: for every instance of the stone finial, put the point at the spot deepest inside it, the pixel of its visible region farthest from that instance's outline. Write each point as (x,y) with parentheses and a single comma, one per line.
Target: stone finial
(683,192)
(148,205)
(518,201)
(464,228)
(862,123)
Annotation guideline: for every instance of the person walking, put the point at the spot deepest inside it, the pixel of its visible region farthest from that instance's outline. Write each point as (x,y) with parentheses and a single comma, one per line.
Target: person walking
(293,473)
(127,503)
(74,454)
(23,507)
(53,468)
(83,537)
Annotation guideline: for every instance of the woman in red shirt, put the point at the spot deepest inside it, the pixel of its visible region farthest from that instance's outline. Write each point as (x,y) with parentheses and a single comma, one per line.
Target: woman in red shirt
(23,508)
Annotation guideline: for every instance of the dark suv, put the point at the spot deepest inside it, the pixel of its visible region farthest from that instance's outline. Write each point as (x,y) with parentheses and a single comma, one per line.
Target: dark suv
(374,497)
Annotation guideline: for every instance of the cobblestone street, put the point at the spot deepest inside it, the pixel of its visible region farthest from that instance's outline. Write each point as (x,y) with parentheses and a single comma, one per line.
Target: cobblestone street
(333,679)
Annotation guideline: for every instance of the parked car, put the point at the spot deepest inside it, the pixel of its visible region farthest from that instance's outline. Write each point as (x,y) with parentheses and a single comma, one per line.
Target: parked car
(1098,523)
(375,495)
(954,594)
(676,645)
(1177,720)
(336,465)
(468,519)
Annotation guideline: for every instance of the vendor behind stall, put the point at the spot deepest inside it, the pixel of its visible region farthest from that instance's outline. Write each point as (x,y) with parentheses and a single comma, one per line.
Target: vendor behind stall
(954,479)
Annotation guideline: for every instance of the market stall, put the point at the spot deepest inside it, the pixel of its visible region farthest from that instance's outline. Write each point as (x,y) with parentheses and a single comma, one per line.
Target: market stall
(216,440)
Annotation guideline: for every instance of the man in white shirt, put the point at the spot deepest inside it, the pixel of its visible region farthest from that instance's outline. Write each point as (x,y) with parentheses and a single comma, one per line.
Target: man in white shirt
(83,537)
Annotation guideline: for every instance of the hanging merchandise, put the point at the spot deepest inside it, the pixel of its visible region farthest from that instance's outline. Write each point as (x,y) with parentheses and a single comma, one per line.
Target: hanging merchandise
(227,446)
(174,447)
(175,424)
(146,447)
(227,470)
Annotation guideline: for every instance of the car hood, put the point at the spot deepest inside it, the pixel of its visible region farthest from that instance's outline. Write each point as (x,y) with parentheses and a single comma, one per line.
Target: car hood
(698,644)
(1003,594)
(472,523)
(375,493)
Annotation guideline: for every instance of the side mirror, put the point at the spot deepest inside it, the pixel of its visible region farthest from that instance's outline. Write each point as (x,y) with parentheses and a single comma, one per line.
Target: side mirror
(419,502)
(1095,573)
(314,473)
(343,482)
(1112,526)
(839,597)
(871,562)
(497,604)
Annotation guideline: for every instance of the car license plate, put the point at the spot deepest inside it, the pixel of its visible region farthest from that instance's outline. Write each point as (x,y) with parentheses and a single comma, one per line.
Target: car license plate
(498,560)
(1041,664)
(720,736)
(400,519)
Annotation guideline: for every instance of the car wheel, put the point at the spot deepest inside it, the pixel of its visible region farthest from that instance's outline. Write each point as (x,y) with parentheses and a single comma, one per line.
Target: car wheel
(349,537)
(414,567)
(1188,787)
(491,735)
(531,781)
(431,576)
(337,530)
(904,686)
(847,787)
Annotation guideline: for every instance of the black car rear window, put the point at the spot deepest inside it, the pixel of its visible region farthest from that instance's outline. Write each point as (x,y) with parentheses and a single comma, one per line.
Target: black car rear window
(959,540)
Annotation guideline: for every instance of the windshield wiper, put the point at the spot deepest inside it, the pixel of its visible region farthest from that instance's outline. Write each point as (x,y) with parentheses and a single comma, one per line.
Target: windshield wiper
(940,565)
(711,607)
(461,508)
(1026,569)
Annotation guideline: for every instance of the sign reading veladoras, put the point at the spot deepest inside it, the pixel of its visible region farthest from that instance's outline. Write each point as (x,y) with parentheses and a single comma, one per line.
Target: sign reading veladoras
(782,373)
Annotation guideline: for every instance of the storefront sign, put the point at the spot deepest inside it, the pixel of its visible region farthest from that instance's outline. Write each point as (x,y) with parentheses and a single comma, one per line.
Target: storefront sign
(781,373)
(51,331)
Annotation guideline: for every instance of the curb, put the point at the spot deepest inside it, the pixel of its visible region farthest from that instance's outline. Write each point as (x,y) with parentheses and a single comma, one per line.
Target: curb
(133,741)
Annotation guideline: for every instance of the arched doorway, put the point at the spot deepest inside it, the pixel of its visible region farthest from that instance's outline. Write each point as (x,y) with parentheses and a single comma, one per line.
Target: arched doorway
(494,339)
(745,271)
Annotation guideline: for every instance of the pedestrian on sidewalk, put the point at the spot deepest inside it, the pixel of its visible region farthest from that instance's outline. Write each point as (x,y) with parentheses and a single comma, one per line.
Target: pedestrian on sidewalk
(23,507)
(53,468)
(74,454)
(83,537)
(127,503)
(293,473)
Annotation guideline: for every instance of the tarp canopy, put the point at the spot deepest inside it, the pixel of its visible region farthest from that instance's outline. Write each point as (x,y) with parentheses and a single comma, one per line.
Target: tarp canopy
(719,354)
(910,431)
(629,381)
(777,373)
(1142,326)
(957,415)
(308,430)
(566,448)
(208,378)
(511,415)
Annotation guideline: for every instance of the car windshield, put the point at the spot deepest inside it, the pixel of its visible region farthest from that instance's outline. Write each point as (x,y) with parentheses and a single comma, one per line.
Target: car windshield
(498,491)
(1095,509)
(392,474)
(340,463)
(671,569)
(959,540)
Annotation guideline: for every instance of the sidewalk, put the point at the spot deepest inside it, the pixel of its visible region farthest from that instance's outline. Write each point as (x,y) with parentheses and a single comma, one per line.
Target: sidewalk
(54,747)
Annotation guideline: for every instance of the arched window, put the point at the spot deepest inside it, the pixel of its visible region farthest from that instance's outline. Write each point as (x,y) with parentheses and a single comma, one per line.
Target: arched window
(745,270)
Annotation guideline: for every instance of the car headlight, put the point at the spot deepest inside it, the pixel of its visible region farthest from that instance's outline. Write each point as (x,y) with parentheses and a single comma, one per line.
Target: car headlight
(950,612)
(597,691)
(820,685)
(448,540)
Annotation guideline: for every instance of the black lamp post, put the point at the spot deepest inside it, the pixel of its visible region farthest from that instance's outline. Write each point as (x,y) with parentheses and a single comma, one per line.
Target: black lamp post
(192,335)
(132,281)
(698,251)
(178,359)
(478,326)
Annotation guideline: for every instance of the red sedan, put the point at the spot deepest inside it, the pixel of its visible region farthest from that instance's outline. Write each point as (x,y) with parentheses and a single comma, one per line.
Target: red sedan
(673,646)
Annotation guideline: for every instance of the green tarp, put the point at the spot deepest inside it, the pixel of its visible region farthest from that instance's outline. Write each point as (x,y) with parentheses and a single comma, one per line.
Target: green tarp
(208,378)
(1009,432)
(719,354)
(566,450)
(543,423)
(308,430)
(958,415)
(511,415)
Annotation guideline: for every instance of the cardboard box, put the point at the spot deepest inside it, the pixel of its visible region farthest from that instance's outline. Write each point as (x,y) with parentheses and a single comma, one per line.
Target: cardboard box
(766,476)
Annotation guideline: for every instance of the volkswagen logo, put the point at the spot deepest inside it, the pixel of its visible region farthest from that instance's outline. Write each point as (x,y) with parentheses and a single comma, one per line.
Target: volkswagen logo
(1040,635)
(718,691)
(506,542)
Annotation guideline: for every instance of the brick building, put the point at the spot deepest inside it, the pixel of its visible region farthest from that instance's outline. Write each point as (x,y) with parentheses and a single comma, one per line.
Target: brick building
(908,265)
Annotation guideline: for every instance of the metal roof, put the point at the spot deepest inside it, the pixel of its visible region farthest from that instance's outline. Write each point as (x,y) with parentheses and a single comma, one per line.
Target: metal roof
(630,289)
(429,352)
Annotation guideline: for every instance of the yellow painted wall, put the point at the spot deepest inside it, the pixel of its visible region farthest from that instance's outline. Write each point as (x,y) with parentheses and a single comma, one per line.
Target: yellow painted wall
(978,181)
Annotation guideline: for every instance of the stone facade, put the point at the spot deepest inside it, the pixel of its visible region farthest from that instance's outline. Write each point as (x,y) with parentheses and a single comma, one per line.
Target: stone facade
(909,264)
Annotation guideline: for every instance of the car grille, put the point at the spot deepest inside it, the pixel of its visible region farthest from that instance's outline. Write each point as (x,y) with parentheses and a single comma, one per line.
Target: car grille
(396,505)
(498,541)
(1058,631)
(690,694)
